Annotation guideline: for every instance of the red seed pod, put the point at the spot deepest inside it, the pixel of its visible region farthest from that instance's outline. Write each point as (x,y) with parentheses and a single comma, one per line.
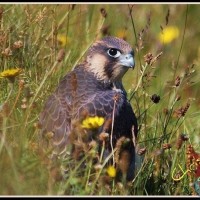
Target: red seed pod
(178,97)
(179,143)
(181,111)
(18,44)
(166,146)
(103,136)
(148,58)
(177,81)
(182,137)
(7,52)
(186,108)
(61,55)
(165,111)
(107,125)
(103,12)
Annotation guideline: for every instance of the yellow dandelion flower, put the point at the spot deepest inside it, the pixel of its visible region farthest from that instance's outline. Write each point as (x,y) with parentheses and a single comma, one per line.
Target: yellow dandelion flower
(111,171)
(168,34)
(92,122)
(10,73)
(121,33)
(62,39)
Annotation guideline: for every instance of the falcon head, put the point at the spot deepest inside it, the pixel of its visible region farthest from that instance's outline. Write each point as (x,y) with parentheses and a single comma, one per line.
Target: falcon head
(110,58)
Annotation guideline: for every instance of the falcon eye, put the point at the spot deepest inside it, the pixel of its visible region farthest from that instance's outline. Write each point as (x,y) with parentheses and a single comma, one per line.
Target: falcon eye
(114,52)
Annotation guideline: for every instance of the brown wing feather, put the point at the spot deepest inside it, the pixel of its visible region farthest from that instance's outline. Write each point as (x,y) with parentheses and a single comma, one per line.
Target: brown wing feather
(57,113)
(55,119)
(62,107)
(77,92)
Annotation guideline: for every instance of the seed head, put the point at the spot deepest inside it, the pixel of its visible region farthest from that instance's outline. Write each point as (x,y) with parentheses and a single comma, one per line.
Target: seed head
(155,98)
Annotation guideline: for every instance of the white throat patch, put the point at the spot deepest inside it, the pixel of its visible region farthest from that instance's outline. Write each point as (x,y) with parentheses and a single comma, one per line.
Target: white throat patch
(97,63)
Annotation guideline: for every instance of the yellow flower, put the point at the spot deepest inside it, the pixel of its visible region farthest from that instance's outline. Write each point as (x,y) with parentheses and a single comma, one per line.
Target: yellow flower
(168,34)
(111,171)
(10,73)
(92,122)
(63,39)
(121,33)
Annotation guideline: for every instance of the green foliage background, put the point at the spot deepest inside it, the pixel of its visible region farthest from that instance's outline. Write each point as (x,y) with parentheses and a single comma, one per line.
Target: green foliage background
(24,170)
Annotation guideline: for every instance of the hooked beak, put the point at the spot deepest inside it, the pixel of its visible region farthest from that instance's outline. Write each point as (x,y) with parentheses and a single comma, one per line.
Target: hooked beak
(127,60)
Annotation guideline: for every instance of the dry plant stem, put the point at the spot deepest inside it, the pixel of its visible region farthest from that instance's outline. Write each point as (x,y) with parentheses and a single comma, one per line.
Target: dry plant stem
(145,114)
(8,149)
(102,151)
(174,161)
(168,117)
(180,47)
(50,183)
(72,174)
(83,53)
(145,111)
(181,41)
(173,127)
(47,38)
(142,74)
(111,134)
(12,159)
(134,30)
(3,138)
(5,118)
(43,81)
(113,185)
(11,85)
(140,80)
(143,165)
(137,106)
(63,19)
(103,165)
(88,176)
(16,100)
(67,27)
(48,73)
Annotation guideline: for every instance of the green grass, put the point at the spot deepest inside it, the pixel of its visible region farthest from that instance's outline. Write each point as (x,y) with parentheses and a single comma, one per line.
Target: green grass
(25,169)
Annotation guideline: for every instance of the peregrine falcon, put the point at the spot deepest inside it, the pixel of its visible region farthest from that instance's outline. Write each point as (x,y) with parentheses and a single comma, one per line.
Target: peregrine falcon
(93,86)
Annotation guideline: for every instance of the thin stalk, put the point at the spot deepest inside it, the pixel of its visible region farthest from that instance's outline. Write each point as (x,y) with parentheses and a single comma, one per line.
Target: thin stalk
(140,80)
(181,41)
